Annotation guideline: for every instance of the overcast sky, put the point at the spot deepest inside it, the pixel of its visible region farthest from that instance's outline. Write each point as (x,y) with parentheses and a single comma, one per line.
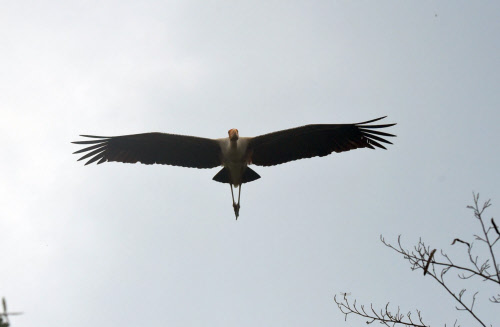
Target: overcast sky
(135,245)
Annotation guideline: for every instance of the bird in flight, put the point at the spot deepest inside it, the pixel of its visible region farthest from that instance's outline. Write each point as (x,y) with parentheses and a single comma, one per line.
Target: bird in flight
(235,153)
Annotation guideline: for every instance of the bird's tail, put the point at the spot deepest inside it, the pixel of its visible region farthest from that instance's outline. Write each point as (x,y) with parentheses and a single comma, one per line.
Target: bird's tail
(223,176)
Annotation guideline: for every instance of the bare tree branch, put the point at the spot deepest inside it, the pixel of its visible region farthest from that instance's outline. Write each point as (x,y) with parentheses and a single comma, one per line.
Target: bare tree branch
(422,257)
(384,316)
(478,214)
(418,262)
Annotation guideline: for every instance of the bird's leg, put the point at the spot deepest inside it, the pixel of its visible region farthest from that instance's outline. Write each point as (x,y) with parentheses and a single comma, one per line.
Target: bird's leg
(236,207)
(239,194)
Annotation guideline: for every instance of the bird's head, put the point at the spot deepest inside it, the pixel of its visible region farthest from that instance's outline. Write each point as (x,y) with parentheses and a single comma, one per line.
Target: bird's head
(233,134)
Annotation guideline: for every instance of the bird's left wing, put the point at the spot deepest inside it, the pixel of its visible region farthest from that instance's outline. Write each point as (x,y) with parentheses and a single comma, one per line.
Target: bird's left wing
(315,140)
(153,148)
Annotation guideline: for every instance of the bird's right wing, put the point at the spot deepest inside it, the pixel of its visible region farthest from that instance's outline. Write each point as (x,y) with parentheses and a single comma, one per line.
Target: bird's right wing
(153,148)
(315,140)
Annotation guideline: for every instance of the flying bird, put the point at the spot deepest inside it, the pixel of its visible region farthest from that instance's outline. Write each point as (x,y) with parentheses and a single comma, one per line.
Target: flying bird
(235,153)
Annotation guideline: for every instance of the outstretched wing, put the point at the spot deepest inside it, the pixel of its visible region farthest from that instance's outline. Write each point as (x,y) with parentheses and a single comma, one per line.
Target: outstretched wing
(153,148)
(315,140)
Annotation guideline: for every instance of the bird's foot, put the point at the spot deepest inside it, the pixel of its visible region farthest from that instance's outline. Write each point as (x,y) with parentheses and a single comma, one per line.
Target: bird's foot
(236,208)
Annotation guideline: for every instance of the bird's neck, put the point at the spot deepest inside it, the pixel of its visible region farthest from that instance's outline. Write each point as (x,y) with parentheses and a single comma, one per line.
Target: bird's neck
(233,144)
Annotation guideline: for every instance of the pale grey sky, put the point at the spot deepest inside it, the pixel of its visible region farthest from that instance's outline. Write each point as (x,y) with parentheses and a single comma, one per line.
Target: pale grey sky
(118,244)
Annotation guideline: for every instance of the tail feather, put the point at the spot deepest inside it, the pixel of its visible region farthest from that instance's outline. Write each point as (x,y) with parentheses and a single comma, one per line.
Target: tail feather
(249,175)
(223,176)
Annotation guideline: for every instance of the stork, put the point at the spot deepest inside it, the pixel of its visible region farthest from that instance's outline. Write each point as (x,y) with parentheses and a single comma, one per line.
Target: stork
(235,153)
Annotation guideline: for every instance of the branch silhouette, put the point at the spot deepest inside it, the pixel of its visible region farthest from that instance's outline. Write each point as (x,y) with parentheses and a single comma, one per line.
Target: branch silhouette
(482,267)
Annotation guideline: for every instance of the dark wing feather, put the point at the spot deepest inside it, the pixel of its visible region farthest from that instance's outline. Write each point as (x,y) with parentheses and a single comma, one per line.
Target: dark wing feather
(315,140)
(151,148)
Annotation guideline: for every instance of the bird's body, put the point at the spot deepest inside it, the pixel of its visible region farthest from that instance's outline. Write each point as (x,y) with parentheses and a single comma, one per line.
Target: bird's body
(233,157)
(235,153)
